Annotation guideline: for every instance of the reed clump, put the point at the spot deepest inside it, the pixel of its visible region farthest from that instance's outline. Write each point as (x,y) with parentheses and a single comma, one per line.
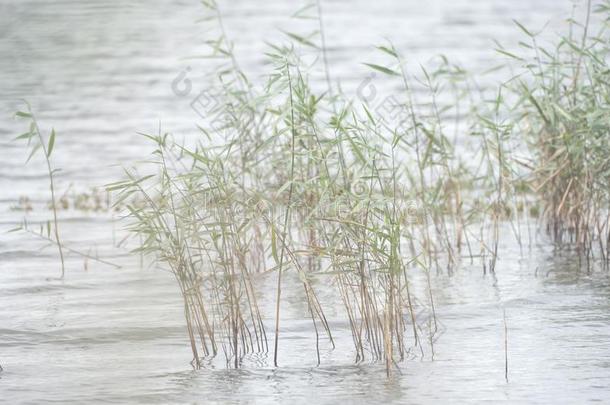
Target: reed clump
(561,119)
(305,181)
(290,178)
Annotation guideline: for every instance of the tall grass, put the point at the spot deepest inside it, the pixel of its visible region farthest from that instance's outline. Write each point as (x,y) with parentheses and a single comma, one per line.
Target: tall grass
(560,118)
(37,142)
(294,180)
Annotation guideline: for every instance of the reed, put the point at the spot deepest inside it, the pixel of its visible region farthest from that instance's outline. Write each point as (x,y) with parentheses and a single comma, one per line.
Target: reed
(49,231)
(37,142)
(291,181)
(288,179)
(558,112)
(296,180)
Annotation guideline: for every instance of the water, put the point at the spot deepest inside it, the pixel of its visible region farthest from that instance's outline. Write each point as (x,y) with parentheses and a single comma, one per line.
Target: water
(100,72)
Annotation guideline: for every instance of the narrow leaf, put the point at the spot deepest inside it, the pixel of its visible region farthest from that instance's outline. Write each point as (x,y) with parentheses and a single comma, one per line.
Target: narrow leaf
(51,143)
(301,39)
(34,149)
(382,69)
(387,50)
(529,34)
(27,135)
(274,245)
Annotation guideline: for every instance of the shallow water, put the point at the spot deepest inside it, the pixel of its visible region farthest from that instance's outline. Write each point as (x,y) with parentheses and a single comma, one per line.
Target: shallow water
(99,72)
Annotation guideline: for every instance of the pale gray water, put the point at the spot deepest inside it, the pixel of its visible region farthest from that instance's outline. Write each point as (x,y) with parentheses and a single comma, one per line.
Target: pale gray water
(100,71)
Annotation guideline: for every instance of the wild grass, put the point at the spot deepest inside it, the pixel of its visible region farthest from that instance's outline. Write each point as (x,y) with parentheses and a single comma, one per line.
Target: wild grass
(560,119)
(294,180)
(36,141)
(93,200)
(288,178)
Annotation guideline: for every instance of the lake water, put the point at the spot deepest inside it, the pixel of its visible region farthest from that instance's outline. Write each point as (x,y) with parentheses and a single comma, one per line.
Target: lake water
(101,71)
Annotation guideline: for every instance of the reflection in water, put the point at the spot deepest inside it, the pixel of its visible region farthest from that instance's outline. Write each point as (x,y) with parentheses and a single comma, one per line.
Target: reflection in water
(101,71)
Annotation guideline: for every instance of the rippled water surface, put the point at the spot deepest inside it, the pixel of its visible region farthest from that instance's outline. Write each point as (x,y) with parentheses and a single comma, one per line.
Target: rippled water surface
(101,71)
